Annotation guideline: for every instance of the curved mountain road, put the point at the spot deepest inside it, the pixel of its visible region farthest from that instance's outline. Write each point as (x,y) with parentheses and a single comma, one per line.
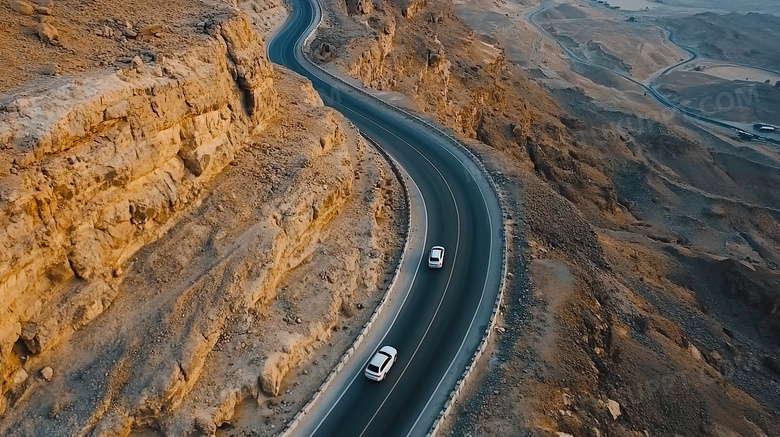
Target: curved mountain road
(649,88)
(439,318)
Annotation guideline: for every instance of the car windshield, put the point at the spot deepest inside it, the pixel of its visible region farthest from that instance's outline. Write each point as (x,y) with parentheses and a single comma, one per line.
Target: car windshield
(373,368)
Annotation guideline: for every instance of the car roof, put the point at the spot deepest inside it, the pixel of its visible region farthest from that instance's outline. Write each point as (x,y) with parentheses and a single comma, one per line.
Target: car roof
(379,359)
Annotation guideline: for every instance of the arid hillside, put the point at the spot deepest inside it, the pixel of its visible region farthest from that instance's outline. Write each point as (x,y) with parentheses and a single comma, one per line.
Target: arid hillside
(189,238)
(745,38)
(734,100)
(652,245)
(598,38)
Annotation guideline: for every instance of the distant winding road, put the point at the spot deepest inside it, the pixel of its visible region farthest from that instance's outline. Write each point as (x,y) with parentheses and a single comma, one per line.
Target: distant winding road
(649,88)
(444,313)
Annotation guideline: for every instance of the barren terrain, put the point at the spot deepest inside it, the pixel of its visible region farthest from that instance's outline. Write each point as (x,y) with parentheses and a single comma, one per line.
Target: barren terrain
(735,100)
(651,243)
(735,37)
(190,239)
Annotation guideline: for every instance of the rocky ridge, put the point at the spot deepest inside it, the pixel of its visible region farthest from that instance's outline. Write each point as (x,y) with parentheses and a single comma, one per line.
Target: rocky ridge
(87,184)
(159,221)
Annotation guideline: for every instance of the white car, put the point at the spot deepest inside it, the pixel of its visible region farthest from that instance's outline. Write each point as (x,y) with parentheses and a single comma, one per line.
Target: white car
(436,258)
(381,362)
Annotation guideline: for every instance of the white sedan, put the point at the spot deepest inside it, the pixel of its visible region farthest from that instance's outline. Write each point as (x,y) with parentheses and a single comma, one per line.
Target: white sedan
(436,258)
(381,362)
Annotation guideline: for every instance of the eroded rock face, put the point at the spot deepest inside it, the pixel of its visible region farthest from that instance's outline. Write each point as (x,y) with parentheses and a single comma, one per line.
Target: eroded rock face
(410,8)
(413,50)
(369,66)
(359,7)
(95,169)
(186,339)
(180,236)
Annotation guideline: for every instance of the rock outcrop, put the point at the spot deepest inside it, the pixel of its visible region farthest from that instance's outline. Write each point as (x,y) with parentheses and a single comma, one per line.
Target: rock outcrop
(410,8)
(95,169)
(462,81)
(180,235)
(22,7)
(359,7)
(370,66)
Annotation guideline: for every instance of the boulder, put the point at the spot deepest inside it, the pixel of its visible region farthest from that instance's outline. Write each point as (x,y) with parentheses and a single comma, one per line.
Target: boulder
(137,62)
(434,57)
(326,51)
(31,335)
(19,377)
(614,408)
(152,29)
(50,69)
(22,7)
(205,426)
(47,32)
(29,331)
(359,7)
(47,373)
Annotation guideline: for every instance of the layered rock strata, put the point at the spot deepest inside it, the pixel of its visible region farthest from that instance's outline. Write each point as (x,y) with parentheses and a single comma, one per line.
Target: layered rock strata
(160,223)
(94,169)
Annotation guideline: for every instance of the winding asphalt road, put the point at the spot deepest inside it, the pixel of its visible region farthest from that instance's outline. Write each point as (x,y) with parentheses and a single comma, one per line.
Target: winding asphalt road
(444,313)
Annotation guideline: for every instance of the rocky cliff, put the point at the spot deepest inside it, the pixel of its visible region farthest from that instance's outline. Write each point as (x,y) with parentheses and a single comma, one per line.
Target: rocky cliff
(464,80)
(166,239)
(97,168)
(418,49)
